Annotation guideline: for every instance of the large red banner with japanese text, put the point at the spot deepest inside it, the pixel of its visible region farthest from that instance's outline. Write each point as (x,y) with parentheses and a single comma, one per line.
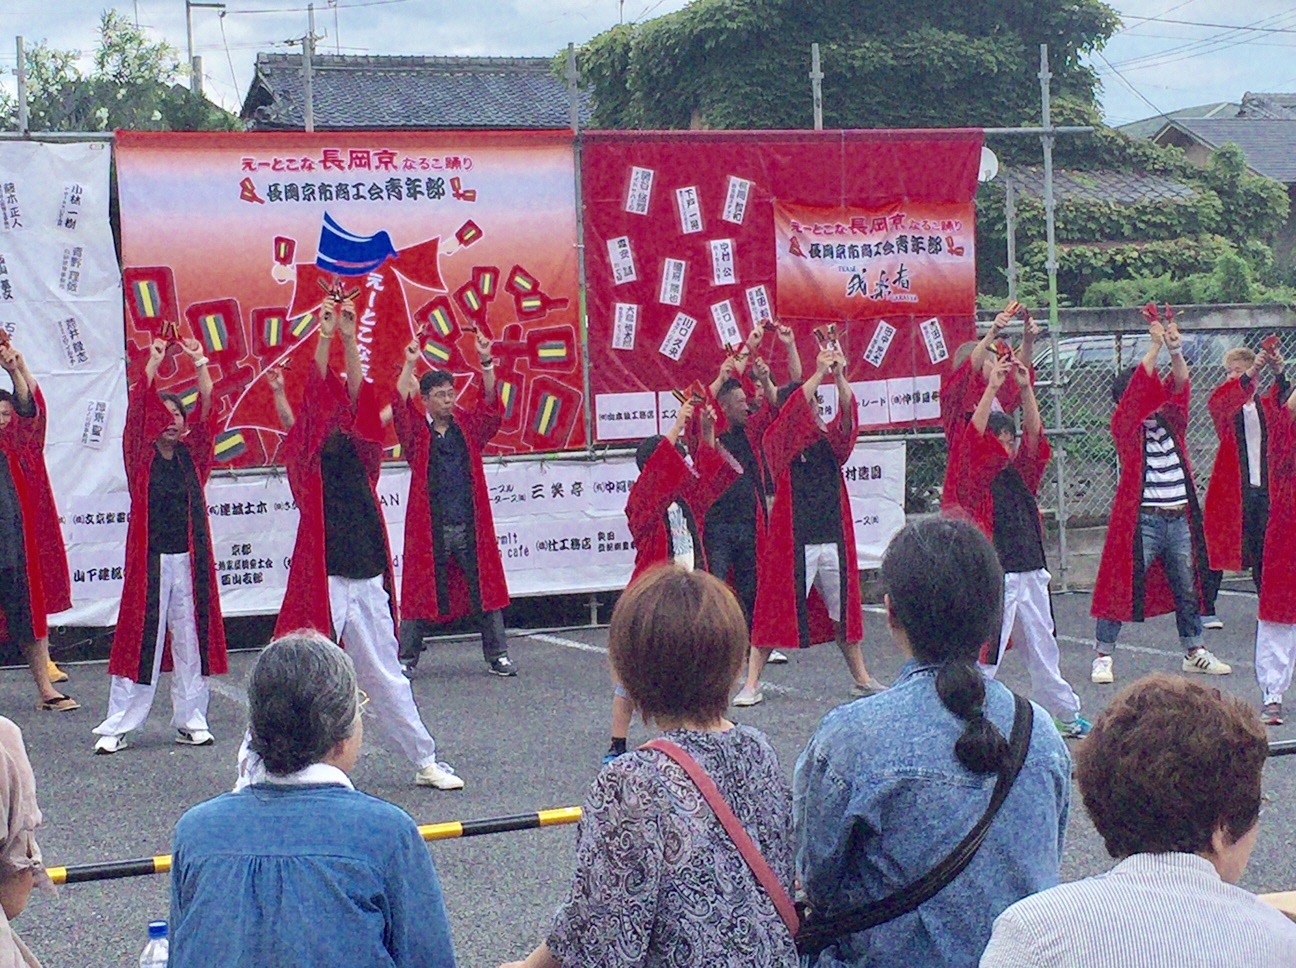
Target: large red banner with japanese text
(859,263)
(688,239)
(238,238)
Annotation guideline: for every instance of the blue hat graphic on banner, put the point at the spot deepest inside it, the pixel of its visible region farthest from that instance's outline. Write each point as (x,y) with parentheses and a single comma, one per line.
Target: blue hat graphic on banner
(347,254)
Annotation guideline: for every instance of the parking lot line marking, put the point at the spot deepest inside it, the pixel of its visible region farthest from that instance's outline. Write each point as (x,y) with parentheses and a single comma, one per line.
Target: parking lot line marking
(565,642)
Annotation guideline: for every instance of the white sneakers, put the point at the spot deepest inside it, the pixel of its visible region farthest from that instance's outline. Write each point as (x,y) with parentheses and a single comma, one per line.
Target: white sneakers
(440,776)
(107,745)
(1204,661)
(748,696)
(1201,661)
(194,737)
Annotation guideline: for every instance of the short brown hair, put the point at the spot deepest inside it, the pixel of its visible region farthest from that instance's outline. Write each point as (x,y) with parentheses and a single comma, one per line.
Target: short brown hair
(1239,355)
(677,641)
(1168,763)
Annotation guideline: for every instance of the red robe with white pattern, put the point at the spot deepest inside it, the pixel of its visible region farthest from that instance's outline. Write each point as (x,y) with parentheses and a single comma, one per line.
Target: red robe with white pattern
(327,407)
(31,542)
(1123,592)
(424,593)
(1278,590)
(981,457)
(135,638)
(665,479)
(785,618)
(29,435)
(960,392)
(1223,506)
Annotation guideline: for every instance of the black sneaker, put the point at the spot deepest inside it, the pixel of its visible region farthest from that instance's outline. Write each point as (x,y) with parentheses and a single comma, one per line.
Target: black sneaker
(502,665)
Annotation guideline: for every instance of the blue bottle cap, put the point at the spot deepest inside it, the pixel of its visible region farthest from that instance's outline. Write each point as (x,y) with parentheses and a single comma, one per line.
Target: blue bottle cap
(157,929)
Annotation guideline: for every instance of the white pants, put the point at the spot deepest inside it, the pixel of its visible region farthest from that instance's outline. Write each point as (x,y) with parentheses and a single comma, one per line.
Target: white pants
(823,571)
(362,620)
(128,701)
(1028,620)
(1275,657)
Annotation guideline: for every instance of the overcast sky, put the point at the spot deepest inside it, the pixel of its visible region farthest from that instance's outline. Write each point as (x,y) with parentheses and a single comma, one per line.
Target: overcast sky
(1148,67)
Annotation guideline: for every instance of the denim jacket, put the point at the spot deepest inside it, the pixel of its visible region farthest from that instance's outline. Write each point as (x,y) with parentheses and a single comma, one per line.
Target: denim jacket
(879,800)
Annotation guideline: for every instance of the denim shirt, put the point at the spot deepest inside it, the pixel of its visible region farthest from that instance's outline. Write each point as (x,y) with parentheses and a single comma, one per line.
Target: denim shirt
(879,800)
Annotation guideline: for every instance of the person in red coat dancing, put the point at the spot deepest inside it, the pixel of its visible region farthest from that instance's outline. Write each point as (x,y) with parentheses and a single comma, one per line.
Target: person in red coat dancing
(33,564)
(808,568)
(340,583)
(1237,497)
(452,560)
(963,387)
(998,481)
(1276,630)
(665,510)
(1154,554)
(170,609)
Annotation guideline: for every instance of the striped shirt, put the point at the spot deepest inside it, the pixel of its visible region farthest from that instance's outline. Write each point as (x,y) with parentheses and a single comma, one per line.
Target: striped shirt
(1149,911)
(1164,482)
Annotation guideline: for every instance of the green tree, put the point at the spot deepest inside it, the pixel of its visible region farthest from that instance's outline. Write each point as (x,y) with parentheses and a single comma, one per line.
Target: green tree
(743,63)
(133,84)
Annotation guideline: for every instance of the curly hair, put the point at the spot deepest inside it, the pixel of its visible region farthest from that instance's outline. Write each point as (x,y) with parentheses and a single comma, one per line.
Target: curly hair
(1168,763)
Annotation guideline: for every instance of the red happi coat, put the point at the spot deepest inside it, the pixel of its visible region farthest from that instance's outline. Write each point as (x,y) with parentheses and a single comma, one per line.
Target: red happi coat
(1278,590)
(31,541)
(665,479)
(1222,512)
(784,618)
(29,436)
(327,407)
(425,594)
(137,622)
(960,393)
(980,458)
(1123,592)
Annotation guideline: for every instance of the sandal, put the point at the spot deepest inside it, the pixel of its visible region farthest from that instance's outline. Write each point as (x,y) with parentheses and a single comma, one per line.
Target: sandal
(58,704)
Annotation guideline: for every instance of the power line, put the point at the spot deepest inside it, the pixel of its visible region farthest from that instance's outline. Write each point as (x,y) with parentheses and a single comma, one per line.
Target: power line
(1137,92)
(1206,45)
(1200,23)
(343,6)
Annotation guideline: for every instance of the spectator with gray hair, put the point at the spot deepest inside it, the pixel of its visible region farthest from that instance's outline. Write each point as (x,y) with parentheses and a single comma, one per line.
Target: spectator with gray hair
(299,868)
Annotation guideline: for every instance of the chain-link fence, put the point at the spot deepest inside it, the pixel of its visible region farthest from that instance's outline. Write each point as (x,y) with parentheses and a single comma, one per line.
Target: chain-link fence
(1091,347)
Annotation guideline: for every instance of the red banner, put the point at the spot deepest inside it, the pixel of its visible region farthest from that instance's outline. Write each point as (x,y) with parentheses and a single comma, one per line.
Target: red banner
(237,237)
(858,263)
(684,255)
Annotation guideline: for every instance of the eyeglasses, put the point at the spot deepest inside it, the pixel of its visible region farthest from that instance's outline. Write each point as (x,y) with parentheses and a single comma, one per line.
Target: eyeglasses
(441,395)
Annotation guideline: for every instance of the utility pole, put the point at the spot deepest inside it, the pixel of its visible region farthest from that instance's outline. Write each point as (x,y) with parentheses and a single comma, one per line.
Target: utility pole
(195,63)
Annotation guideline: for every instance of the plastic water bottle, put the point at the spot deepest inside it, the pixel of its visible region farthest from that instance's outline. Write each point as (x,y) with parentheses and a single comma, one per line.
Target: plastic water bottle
(157,950)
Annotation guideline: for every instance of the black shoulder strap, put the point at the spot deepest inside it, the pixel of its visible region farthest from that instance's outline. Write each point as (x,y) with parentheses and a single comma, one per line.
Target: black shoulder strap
(814,937)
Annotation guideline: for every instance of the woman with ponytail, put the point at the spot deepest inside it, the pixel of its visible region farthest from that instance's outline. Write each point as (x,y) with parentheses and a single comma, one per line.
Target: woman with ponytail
(890,784)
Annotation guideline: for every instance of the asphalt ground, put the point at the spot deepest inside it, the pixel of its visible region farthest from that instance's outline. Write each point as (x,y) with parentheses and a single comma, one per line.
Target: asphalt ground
(521,744)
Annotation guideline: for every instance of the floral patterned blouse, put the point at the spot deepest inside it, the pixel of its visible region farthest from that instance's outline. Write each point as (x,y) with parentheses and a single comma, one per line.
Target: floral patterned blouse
(658,881)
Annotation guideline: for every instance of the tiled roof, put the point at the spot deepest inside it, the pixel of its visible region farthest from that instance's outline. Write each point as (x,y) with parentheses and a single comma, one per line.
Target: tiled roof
(410,92)
(1123,188)
(1268,144)
(1147,127)
(1268,106)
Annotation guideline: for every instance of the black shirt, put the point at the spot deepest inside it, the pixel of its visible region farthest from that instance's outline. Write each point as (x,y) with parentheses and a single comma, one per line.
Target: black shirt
(1017,535)
(449,481)
(816,500)
(168,507)
(353,531)
(11,524)
(736,507)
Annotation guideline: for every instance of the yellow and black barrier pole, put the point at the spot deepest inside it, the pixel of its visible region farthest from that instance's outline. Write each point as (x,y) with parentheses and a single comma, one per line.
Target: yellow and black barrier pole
(451,830)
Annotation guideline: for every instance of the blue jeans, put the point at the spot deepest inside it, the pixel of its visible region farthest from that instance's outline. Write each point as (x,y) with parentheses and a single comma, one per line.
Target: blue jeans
(1170,540)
